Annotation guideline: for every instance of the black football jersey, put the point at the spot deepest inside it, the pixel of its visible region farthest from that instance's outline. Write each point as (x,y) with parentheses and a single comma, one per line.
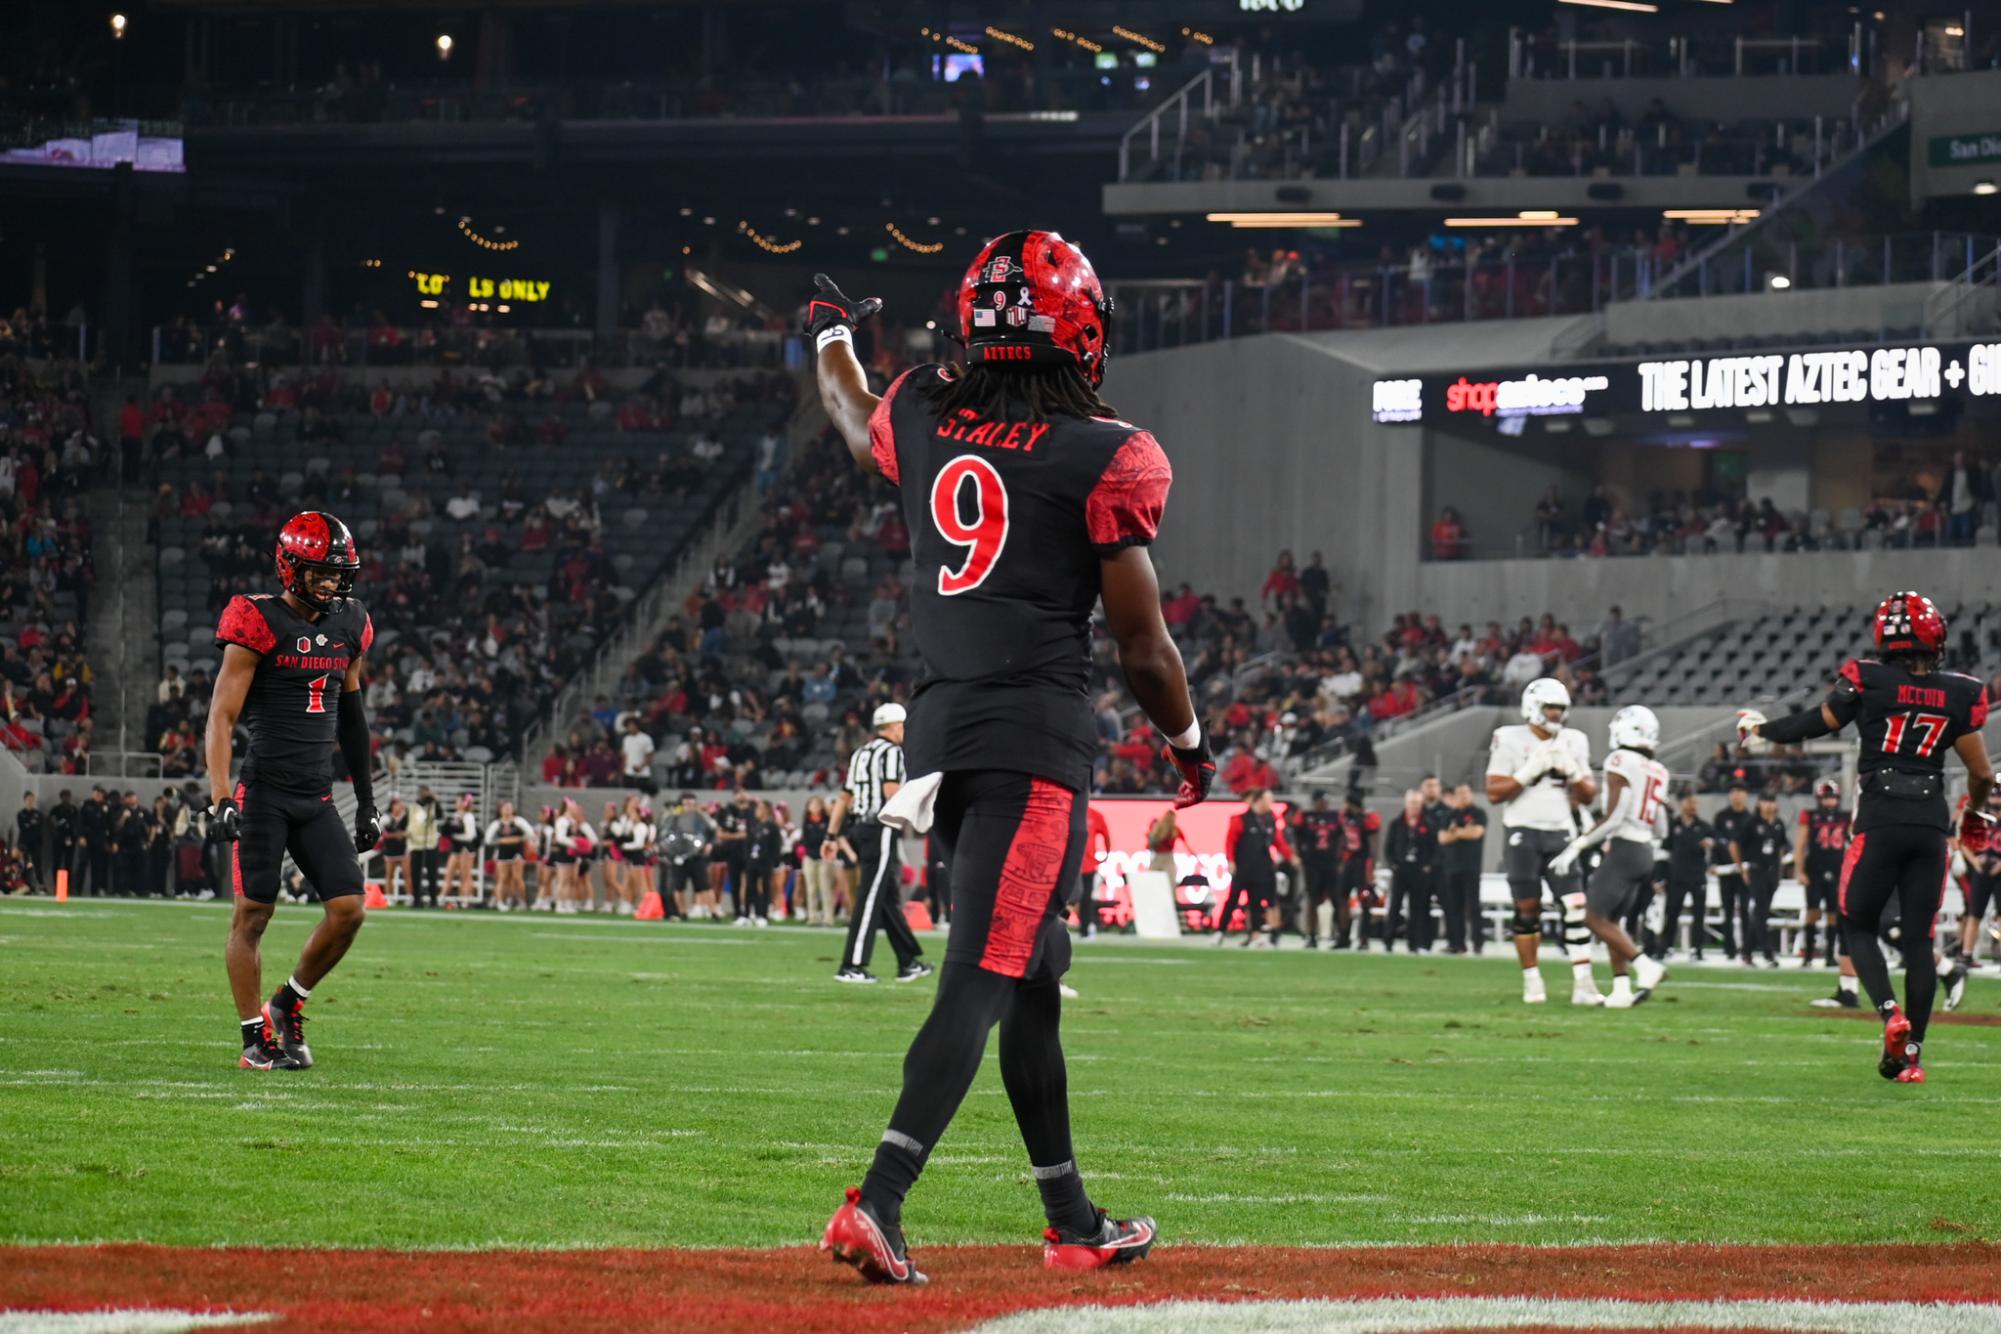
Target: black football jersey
(1729,826)
(1319,835)
(1906,725)
(1826,834)
(293,702)
(1008,522)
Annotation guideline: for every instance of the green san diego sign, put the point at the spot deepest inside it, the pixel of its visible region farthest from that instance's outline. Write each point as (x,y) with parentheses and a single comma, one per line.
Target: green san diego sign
(1965,150)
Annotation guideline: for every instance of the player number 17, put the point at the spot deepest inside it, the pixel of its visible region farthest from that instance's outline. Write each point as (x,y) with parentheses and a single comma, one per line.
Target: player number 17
(1897,724)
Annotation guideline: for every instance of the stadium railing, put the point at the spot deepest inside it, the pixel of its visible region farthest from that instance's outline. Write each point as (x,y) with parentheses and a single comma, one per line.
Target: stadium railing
(1153,315)
(492,348)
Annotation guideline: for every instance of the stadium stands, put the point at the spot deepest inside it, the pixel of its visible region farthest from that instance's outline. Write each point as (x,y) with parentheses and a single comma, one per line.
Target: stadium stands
(504,532)
(48,456)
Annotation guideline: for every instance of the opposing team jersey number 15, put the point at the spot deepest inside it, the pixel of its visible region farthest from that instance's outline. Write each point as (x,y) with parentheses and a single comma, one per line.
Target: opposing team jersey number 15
(969,478)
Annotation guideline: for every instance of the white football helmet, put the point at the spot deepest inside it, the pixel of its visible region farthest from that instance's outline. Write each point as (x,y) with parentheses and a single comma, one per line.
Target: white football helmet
(1543,693)
(1635,728)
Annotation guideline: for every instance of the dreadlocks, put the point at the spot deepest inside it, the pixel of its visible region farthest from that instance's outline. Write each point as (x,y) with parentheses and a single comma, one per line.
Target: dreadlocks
(1016,393)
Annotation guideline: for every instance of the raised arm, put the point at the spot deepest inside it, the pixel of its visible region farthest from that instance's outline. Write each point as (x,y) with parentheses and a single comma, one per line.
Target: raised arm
(831,318)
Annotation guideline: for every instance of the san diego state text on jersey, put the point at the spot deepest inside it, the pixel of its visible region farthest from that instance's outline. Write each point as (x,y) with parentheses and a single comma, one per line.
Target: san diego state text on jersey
(294,697)
(1009,521)
(1906,723)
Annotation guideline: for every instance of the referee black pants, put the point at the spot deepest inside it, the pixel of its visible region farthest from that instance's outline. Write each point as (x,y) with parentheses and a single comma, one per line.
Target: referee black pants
(878,899)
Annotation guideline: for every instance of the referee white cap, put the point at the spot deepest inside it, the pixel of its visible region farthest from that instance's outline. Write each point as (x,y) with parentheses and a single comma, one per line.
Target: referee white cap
(885,714)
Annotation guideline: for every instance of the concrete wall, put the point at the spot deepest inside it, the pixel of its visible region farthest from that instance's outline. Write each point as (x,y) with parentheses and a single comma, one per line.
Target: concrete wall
(1700,100)
(1769,314)
(1952,104)
(1494,487)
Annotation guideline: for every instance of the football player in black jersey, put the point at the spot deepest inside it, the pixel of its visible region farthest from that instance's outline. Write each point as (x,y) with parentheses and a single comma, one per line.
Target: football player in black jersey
(1027,500)
(291,674)
(1823,838)
(1907,713)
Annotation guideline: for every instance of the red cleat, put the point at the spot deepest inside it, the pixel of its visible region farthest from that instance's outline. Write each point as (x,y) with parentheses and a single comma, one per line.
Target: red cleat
(1117,1241)
(1911,1074)
(1896,1039)
(855,1237)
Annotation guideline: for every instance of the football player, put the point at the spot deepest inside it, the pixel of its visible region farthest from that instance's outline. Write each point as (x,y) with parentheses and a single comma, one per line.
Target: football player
(1536,770)
(1027,500)
(1907,713)
(1982,889)
(291,674)
(1636,788)
(1823,837)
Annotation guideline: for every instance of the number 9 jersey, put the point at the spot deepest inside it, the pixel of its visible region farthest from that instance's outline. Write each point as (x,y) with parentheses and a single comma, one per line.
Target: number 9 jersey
(292,707)
(1009,520)
(1906,723)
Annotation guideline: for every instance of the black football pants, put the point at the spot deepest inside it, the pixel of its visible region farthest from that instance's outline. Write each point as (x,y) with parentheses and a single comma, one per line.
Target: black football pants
(1907,863)
(1695,891)
(1323,885)
(1760,884)
(1730,890)
(1460,893)
(878,899)
(1410,893)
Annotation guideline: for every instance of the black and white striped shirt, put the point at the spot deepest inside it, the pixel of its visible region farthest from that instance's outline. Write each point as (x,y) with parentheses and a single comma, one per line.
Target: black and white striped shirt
(869,768)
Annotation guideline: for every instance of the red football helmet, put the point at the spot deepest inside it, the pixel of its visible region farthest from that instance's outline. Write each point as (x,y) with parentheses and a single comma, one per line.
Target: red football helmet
(1825,788)
(1033,297)
(1909,623)
(314,540)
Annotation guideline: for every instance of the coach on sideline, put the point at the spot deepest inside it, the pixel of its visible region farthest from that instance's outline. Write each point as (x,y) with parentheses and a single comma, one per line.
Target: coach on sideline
(875,772)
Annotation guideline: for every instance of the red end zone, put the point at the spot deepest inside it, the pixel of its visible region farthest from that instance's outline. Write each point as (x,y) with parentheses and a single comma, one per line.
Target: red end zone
(798,1289)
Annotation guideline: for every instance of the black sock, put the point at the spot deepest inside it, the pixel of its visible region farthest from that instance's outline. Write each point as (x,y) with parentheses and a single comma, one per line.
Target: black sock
(286,999)
(1064,1202)
(253,1032)
(890,1177)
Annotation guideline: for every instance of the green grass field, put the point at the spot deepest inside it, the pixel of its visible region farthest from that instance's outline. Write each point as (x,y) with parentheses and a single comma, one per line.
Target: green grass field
(586,1082)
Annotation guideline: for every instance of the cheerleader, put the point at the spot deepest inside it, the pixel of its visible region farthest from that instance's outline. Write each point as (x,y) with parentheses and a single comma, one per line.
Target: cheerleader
(635,847)
(610,856)
(572,841)
(782,867)
(461,830)
(510,837)
(548,873)
(396,849)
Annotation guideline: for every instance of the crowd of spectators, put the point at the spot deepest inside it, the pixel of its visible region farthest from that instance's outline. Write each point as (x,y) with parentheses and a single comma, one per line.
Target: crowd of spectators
(464,655)
(1942,506)
(48,457)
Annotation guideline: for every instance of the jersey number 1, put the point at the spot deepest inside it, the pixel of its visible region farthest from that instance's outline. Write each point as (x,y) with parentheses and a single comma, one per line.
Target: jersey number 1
(316,694)
(984,537)
(1894,726)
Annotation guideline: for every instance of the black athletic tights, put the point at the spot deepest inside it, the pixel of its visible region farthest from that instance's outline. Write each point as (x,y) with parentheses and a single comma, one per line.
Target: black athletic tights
(940,1067)
(1908,861)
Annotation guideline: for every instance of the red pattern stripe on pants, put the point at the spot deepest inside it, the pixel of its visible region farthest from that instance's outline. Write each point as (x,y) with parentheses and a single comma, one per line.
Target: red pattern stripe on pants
(236,848)
(1848,860)
(1029,878)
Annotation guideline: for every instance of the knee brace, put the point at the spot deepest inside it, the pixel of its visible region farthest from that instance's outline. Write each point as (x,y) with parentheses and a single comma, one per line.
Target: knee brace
(1522,924)
(1576,935)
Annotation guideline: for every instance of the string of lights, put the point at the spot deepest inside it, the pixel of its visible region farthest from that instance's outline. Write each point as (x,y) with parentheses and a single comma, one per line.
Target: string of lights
(1002,35)
(909,242)
(483,242)
(1195,35)
(1077,39)
(201,274)
(938,35)
(1139,39)
(765,243)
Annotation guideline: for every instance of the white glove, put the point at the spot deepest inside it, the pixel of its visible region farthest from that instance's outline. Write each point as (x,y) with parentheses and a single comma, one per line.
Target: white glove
(1563,760)
(1746,720)
(1566,861)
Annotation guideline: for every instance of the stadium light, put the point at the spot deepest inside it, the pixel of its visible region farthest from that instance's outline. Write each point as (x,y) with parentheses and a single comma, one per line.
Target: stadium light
(1985,187)
(1778,282)
(118,22)
(444,46)
(1283,219)
(1529,218)
(1634,5)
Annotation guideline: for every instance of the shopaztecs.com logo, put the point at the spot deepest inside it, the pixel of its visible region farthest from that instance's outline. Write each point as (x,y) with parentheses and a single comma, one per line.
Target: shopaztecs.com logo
(1531,396)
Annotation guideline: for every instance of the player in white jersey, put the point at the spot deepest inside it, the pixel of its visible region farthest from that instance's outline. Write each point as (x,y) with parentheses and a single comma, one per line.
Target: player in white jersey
(1635,822)
(1536,771)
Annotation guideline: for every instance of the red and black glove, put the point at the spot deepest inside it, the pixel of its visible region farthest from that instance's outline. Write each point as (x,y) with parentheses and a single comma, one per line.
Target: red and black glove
(1976,831)
(1198,773)
(830,308)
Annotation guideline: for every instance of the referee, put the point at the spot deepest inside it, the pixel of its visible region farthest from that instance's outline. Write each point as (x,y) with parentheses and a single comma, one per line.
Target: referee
(875,771)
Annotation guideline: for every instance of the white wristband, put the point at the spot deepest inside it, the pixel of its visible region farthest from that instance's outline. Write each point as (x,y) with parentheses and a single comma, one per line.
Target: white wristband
(1190,739)
(834,333)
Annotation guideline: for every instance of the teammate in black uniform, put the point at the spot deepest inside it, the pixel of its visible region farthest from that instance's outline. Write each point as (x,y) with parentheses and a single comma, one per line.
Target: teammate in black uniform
(1983,889)
(1823,837)
(1907,713)
(291,671)
(1317,835)
(1759,846)
(1027,499)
